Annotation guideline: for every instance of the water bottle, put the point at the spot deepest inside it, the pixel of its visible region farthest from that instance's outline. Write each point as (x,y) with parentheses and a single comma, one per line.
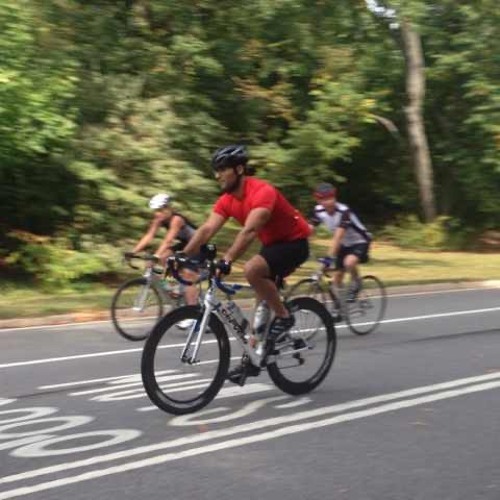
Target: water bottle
(261,318)
(171,286)
(235,317)
(164,284)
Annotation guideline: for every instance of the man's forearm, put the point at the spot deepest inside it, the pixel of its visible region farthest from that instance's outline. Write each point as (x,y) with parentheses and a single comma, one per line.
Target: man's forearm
(200,237)
(241,243)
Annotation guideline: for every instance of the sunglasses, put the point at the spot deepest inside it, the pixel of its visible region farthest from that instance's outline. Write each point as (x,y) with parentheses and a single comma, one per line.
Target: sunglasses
(324,196)
(222,168)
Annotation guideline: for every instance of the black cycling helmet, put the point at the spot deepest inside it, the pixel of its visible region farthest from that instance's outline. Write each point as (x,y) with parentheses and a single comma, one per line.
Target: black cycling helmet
(229,156)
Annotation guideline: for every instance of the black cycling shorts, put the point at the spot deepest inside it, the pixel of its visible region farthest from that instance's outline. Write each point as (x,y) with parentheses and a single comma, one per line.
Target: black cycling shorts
(360,250)
(283,258)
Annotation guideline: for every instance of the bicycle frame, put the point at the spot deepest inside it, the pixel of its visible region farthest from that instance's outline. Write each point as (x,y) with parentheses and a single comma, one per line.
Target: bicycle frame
(212,304)
(153,277)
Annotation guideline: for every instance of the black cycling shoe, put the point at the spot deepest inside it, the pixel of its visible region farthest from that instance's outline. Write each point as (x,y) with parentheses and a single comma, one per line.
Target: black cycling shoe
(352,294)
(336,316)
(277,333)
(238,375)
(279,327)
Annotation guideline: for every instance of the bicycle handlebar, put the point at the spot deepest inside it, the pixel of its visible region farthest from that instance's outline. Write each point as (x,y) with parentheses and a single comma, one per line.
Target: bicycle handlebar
(229,289)
(325,267)
(129,256)
(174,269)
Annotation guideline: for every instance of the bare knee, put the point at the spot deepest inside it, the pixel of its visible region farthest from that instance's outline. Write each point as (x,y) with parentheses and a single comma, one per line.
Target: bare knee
(256,269)
(350,262)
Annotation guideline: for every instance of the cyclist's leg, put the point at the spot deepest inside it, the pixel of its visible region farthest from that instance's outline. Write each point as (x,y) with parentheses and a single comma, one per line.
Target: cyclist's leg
(277,260)
(191,273)
(190,292)
(339,270)
(351,263)
(282,259)
(261,272)
(259,275)
(356,254)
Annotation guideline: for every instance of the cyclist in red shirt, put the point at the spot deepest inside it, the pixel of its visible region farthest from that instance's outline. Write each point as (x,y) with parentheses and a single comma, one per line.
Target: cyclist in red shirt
(265,214)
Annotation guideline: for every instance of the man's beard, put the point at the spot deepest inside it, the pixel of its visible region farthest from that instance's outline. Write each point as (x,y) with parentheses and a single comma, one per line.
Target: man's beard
(231,188)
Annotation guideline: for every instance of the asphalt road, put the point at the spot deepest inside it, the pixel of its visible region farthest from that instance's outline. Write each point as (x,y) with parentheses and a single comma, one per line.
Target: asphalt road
(408,412)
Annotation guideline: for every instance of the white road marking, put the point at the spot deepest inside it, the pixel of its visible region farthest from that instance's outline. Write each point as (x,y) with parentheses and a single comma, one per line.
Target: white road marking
(205,416)
(83,356)
(491,285)
(111,388)
(436,292)
(427,316)
(67,423)
(294,403)
(258,425)
(40,448)
(129,351)
(230,392)
(242,441)
(30,413)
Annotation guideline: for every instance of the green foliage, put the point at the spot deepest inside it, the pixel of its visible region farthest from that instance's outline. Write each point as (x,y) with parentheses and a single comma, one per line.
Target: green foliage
(51,263)
(464,108)
(37,83)
(103,104)
(444,233)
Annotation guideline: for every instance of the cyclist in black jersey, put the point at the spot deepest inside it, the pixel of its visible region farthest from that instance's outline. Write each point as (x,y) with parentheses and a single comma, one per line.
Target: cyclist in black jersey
(351,240)
(179,232)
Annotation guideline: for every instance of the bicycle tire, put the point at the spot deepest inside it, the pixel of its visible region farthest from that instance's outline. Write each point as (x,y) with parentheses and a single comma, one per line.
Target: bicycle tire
(372,294)
(125,325)
(152,366)
(310,287)
(278,374)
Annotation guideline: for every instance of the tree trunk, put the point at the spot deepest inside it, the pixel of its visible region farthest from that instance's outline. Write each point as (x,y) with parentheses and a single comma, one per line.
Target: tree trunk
(419,147)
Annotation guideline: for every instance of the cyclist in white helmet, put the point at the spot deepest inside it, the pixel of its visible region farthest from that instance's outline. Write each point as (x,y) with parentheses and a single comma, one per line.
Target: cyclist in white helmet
(179,232)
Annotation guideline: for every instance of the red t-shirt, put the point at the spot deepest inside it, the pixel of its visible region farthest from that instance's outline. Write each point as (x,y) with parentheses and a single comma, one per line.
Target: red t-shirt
(285,224)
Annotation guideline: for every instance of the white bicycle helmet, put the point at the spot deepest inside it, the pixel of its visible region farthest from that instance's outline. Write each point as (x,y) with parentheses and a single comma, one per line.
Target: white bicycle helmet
(160,200)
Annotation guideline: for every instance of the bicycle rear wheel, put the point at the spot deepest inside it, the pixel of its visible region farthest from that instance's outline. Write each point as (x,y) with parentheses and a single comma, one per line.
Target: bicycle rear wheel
(135,309)
(366,312)
(304,359)
(174,384)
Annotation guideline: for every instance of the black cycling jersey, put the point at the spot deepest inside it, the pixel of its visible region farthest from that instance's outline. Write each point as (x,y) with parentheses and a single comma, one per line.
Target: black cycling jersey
(187,230)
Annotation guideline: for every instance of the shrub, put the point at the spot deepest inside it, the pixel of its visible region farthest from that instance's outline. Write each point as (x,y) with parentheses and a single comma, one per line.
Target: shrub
(51,261)
(444,233)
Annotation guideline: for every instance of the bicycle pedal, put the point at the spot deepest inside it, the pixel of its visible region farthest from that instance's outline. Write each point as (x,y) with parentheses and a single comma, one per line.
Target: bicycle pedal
(299,344)
(299,358)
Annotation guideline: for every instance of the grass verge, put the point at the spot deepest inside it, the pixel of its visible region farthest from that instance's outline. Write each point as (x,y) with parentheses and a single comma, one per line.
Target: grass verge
(395,266)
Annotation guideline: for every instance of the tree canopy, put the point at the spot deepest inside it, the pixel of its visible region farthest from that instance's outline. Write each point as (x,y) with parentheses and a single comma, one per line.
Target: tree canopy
(106,102)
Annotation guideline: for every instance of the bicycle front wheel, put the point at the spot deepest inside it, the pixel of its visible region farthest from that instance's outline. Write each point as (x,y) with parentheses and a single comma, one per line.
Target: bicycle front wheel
(307,287)
(173,382)
(311,287)
(135,309)
(303,360)
(366,312)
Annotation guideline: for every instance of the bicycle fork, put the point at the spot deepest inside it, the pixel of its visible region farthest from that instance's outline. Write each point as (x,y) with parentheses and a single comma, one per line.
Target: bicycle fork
(140,300)
(189,355)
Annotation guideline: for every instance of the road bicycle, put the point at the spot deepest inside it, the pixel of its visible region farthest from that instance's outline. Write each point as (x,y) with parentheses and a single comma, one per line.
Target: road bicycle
(363,312)
(183,373)
(140,302)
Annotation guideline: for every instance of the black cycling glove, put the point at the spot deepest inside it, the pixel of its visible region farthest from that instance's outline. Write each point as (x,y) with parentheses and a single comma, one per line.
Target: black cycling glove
(224,266)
